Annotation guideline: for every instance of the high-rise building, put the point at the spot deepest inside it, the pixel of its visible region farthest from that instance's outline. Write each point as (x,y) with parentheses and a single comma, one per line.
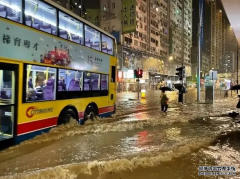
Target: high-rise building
(181,23)
(163,29)
(219,38)
(229,61)
(223,40)
(214,61)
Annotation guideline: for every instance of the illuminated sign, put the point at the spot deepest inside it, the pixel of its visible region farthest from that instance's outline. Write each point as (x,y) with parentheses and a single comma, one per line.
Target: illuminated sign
(128,74)
(120,74)
(31,111)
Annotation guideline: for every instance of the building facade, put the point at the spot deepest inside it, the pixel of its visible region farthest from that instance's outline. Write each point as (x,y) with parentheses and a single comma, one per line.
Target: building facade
(223,40)
(161,42)
(214,61)
(219,38)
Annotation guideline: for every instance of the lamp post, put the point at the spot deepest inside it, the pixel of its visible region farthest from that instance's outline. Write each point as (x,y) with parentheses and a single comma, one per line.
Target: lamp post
(79,6)
(199,50)
(170,59)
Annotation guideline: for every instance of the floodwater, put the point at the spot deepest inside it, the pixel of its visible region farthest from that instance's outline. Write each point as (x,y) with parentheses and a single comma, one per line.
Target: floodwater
(139,142)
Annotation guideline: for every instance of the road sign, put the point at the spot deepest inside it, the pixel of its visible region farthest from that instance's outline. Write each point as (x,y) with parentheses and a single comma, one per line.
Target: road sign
(213,75)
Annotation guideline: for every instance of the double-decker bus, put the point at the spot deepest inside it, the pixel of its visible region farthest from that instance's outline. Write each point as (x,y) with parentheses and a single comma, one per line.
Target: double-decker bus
(54,66)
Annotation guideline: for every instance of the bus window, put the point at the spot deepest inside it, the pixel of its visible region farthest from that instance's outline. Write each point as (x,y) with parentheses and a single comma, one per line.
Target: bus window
(104,82)
(40,83)
(40,16)
(107,44)
(91,81)
(69,80)
(92,38)
(70,28)
(11,10)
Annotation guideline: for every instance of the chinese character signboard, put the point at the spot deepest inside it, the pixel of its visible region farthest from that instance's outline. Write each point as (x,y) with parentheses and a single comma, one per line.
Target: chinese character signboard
(93,16)
(128,16)
(22,43)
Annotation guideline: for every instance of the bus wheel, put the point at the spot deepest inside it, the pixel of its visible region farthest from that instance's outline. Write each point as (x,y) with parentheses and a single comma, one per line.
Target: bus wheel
(90,113)
(66,115)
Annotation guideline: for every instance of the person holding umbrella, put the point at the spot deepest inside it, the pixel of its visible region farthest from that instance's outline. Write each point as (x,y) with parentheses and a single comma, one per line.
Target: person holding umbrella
(164,101)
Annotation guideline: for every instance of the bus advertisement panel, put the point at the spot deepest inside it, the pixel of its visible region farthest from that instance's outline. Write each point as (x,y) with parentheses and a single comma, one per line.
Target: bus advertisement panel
(25,44)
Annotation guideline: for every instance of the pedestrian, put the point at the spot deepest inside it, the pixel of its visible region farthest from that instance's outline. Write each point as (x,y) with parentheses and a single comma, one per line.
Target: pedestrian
(164,100)
(238,104)
(226,94)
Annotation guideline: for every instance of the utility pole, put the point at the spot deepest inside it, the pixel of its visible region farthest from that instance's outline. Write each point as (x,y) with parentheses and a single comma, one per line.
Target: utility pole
(182,76)
(199,51)
(182,42)
(138,82)
(237,66)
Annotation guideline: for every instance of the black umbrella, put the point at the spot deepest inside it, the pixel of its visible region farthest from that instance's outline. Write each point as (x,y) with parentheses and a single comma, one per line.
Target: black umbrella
(165,88)
(235,87)
(180,88)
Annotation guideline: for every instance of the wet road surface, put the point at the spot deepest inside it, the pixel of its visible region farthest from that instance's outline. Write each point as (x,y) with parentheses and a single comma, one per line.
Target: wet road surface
(139,142)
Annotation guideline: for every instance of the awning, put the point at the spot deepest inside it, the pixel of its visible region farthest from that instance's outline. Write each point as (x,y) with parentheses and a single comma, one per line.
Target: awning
(232,9)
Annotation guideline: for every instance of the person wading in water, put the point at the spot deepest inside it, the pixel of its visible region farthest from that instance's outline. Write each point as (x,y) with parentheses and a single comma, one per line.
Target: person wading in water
(164,101)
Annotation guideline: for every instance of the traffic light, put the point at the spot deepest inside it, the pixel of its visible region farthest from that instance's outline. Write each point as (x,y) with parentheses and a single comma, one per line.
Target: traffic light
(140,73)
(135,74)
(181,72)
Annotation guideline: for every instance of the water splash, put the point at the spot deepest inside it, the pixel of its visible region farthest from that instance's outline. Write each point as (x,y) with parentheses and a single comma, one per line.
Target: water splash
(99,168)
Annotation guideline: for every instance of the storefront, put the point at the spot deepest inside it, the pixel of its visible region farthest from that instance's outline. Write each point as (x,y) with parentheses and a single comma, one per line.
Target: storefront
(225,80)
(157,80)
(126,81)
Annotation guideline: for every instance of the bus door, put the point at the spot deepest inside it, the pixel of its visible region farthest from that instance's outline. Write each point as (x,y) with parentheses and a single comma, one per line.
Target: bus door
(8,102)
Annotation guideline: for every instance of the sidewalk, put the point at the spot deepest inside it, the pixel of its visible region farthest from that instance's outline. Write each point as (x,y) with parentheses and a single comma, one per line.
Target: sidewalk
(151,102)
(190,97)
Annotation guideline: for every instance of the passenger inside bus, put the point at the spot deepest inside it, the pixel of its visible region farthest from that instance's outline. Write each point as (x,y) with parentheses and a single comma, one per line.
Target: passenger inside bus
(41,83)
(69,80)
(91,81)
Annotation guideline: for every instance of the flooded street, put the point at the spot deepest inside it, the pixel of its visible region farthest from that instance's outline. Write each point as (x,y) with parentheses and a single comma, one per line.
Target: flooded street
(138,142)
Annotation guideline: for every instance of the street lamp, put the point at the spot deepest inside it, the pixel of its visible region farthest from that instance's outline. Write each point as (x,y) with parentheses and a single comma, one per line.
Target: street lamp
(170,58)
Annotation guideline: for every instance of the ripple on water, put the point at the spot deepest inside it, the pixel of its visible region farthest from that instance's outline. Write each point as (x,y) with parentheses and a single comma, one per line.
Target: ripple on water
(98,168)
